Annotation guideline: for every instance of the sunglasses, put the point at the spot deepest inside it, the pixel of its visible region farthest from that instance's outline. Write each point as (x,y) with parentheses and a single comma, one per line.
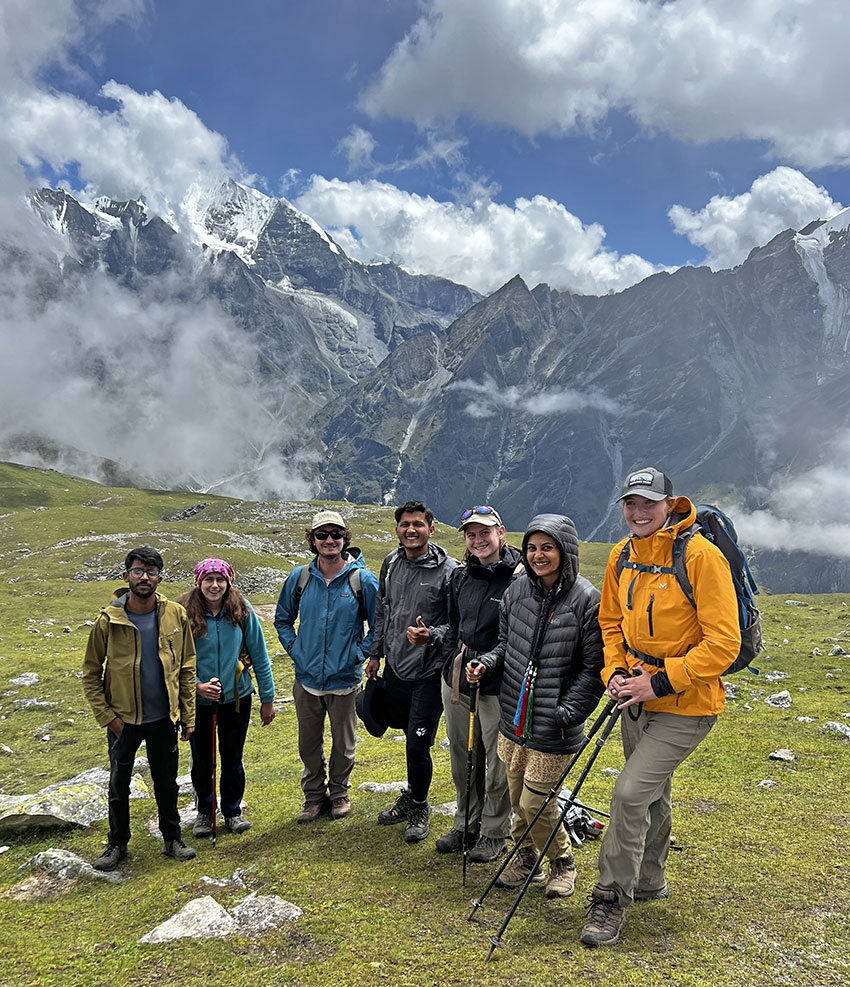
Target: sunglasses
(480,510)
(336,534)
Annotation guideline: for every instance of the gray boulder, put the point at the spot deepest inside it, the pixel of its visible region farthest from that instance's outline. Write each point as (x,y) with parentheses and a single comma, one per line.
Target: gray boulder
(66,865)
(259,914)
(201,918)
(840,728)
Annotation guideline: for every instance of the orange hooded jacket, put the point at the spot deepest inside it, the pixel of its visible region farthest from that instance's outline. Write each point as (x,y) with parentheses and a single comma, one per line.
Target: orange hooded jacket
(697,645)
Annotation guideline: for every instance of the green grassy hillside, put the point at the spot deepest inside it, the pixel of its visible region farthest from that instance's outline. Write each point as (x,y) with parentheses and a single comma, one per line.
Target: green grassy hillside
(759,877)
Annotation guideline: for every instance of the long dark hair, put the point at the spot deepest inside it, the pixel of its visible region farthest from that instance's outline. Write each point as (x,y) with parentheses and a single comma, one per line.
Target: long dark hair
(233,608)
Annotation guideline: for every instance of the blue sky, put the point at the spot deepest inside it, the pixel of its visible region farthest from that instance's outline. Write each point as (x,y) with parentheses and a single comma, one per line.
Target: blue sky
(471,138)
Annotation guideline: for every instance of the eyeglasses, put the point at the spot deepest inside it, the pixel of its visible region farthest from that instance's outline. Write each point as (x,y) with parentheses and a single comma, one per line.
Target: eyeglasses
(336,534)
(480,510)
(138,573)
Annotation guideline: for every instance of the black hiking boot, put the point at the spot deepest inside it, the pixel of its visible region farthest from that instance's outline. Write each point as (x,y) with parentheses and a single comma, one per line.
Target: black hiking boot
(178,850)
(452,842)
(418,822)
(397,812)
(110,857)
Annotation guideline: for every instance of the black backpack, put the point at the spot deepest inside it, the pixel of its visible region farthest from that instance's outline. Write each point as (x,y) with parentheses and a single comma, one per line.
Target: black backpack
(714,525)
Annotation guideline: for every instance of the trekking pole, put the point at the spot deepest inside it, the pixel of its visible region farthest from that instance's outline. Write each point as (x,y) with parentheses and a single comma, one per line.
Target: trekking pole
(496,940)
(214,739)
(473,698)
(553,793)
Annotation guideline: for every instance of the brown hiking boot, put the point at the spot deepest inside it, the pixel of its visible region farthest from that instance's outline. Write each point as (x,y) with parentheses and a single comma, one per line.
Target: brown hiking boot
(514,875)
(340,807)
(605,918)
(310,812)
(562,878)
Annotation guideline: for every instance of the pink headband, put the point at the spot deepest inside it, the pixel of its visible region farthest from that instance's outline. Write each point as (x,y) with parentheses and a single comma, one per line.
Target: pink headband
(213,565)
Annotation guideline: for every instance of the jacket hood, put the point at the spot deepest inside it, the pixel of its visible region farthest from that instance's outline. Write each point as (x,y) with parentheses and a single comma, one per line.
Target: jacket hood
(563,531)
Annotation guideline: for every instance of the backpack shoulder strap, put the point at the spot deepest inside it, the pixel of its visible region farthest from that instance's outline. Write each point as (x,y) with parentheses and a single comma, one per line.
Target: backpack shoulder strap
(623,557)
(357,590)
(303,579)
(680,568)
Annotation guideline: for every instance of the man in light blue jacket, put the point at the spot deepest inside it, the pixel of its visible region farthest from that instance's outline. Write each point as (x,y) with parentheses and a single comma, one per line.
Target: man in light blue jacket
(335,596)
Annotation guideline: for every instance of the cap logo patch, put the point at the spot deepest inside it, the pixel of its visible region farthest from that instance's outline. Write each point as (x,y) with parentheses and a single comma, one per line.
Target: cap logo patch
(642,479)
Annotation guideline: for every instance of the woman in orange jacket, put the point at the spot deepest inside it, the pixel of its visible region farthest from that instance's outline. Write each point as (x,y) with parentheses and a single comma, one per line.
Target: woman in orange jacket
(663,660)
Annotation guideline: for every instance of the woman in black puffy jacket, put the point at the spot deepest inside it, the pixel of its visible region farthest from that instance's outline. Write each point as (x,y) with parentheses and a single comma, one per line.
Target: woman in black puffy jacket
(550,657)
(475,592)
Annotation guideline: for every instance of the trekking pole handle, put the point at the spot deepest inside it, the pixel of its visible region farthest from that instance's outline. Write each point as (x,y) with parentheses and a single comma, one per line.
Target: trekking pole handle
(473,695)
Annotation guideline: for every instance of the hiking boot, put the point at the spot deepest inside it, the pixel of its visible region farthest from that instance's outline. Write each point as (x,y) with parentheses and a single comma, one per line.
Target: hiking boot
(514,875)
(178,850)
(310,812)
(562,878)
(655,895)
(452,842)
(203,825)
(487,849)
(418,822)
(110,857)
(236,824)
(397,812)
(340,807)
(605,918)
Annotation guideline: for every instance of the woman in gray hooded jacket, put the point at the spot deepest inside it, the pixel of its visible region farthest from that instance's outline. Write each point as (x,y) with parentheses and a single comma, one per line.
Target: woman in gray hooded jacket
(550,657)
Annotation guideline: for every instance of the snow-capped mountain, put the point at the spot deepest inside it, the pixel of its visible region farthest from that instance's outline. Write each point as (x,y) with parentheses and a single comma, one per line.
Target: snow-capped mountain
(373,384)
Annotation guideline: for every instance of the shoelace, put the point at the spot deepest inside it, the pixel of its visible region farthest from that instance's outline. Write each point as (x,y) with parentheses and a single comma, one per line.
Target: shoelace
(605,906)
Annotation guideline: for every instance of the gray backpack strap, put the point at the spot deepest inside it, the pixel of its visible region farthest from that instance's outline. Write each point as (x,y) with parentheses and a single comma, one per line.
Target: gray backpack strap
(357,590)
(303,579)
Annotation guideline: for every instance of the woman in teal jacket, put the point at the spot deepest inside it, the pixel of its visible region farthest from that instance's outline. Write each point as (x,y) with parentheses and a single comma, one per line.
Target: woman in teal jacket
(226,630)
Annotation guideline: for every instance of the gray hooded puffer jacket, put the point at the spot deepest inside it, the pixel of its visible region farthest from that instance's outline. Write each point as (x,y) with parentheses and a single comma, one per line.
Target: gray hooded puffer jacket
(568,685)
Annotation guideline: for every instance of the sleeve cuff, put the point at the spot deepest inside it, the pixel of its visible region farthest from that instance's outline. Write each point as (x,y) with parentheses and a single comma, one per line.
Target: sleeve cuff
(661,684)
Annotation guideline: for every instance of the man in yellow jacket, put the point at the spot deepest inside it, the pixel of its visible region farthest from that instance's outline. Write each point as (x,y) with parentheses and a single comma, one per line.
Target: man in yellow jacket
(139,679)
(663,660)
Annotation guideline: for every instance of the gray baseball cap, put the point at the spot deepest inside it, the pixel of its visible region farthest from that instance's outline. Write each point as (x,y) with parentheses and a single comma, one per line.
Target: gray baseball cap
(648,482)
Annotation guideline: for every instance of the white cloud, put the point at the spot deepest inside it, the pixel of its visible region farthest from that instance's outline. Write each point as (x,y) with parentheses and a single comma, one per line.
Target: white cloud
(478,242)
(357,147)
(150,146)
(728,227)
(136,376)
(702,70)
(488,399)
(805,512)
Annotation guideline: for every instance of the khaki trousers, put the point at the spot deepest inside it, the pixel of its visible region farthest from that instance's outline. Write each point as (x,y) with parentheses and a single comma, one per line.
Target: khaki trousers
(318,777)
(637,838)
(527,795)
(489,799)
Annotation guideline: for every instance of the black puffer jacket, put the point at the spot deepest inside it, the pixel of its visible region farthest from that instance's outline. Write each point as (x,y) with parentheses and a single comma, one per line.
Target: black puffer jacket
(475,592)
(568,684)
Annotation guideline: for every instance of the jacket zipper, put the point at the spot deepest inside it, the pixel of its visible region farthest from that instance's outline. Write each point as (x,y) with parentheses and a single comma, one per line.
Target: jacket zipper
(649,613)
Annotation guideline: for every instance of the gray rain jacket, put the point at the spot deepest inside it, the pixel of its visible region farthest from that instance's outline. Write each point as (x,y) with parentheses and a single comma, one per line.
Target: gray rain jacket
(408,590)
(568,685)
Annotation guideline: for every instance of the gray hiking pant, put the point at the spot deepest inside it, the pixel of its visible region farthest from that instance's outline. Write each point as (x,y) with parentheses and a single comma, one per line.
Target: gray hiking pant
(318,776)
(634,848)
(489,798)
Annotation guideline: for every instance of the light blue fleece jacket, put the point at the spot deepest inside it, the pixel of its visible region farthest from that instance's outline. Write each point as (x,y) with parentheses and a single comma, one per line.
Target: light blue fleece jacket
(218,656)
(329,648)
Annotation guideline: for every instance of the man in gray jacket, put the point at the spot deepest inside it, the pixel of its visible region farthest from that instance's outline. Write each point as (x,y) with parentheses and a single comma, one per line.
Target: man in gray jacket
(411,627)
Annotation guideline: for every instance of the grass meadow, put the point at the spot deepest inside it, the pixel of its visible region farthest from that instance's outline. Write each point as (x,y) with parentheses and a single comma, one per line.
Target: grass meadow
(759,874)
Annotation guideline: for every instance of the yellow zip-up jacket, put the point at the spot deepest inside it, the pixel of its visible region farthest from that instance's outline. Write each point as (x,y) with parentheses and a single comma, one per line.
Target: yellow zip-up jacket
(697,645)
(111,667)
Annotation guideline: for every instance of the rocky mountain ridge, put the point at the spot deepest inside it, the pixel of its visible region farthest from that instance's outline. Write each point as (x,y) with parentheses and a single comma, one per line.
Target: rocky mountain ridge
(532,398)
